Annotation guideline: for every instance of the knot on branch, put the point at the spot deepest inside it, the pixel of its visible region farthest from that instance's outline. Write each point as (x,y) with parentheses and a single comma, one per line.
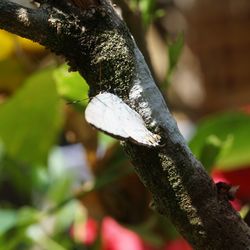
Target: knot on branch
(225,191)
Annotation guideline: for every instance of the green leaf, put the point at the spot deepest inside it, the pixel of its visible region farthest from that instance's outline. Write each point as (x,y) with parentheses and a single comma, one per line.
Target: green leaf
(21,220)
(27,216)
(60,189)
(71,86)
(31,119)
(8,219)
(174,52)
(38,235)
(232,129)
(64,218)
(212,149)
(147,8)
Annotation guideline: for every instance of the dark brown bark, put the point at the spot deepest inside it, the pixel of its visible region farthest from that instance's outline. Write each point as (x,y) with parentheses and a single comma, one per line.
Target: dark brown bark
(97,43)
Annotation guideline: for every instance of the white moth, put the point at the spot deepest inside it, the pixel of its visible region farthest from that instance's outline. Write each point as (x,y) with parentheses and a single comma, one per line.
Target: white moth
(110,114)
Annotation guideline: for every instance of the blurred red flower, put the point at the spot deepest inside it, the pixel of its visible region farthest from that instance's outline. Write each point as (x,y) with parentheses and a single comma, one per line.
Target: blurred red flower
(116,237)
(113,235)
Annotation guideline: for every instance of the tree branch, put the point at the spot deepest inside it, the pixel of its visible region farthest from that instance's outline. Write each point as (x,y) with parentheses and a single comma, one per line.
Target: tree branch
(98,44)
(26,22)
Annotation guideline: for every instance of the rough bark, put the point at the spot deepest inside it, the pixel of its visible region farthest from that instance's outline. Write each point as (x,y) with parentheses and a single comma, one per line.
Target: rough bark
(95,42)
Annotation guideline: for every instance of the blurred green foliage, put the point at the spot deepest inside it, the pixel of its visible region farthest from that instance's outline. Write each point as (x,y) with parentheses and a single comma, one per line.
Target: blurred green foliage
(224,136)
(32,115)
(174,51)
(71,86)
(148,9)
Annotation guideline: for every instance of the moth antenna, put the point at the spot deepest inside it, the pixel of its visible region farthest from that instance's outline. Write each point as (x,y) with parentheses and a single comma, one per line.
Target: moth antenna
(77,101)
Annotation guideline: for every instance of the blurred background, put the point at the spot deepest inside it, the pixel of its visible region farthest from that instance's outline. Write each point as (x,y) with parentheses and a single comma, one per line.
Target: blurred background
(64,185)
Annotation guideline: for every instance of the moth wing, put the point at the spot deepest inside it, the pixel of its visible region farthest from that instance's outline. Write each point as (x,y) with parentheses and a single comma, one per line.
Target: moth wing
(102,113)
(110,114)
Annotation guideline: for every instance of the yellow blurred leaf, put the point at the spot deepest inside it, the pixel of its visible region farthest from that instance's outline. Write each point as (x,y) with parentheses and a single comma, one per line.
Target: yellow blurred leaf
(29,45)
(7,44)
